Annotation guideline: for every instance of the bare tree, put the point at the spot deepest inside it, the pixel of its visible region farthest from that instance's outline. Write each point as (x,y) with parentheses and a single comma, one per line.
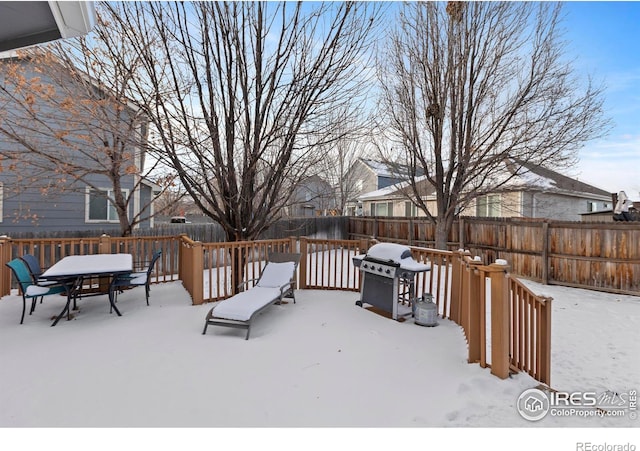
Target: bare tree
(350,142)
(72,125)
(243,91)
(171,201)
(470,86)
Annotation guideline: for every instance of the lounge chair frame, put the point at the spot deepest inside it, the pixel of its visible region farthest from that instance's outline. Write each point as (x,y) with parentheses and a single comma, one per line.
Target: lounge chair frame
(286,291)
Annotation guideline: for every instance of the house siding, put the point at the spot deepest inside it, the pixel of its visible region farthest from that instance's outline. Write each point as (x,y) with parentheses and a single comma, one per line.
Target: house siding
(31,211)
(559,207)
(516,204)
(29,205)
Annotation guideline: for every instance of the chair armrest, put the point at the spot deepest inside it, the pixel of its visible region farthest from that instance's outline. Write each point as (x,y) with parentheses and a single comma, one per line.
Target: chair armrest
(287,287)
(246,282)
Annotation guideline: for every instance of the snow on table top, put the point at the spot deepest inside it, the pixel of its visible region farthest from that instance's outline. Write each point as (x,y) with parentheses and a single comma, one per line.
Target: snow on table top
(73,265)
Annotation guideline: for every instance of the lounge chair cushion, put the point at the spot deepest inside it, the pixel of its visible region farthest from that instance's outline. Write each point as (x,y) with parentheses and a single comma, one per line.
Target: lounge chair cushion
(241,306)
(276,275)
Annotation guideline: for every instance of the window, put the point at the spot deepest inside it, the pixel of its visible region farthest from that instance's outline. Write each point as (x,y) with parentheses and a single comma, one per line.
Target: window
(99,206)
(410,209)
(488,206)
(382,209)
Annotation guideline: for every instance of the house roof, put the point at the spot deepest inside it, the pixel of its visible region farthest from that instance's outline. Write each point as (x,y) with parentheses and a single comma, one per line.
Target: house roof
(533,177)
(520,175)
(24,24)
(398,190)
(385,169)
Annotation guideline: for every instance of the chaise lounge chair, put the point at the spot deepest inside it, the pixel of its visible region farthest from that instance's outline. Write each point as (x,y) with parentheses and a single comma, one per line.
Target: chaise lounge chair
(276,282)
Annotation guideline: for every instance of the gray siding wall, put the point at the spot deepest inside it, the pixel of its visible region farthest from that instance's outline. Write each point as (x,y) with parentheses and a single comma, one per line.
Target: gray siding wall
(31,211)
(555,206)
(360,171)
(26,207)
(145,199)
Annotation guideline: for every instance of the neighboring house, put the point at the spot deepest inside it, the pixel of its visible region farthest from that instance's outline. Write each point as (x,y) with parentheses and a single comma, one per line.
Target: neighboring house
(624,210)
(32,201)
(370,175)
(395,200)
(536,192)
(312,197)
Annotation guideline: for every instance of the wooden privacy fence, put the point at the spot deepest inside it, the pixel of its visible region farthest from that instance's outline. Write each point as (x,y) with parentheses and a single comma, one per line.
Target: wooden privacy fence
(598,256)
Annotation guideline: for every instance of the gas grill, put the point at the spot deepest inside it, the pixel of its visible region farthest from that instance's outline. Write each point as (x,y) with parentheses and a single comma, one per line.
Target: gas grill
(388,278)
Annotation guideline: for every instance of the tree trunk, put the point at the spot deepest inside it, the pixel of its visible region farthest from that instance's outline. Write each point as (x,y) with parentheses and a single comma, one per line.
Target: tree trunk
(442,233)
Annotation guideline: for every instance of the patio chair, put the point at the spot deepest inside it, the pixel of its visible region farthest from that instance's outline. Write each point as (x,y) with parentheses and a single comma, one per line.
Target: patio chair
(28,288)
(134,279)
(36,271)
(33,265)
(276,282)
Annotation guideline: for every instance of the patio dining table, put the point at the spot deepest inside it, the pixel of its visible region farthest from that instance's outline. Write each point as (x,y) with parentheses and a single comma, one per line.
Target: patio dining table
(71,271)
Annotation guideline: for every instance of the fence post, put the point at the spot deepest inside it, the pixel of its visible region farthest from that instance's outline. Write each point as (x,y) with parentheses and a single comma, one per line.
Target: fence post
(293,244)
(545,252)
(5,273)
(461,232)
(181,238)
(364,245)
(544,343)
(197,273)
(303,262)
(457,284)
(411,232)
(499,319)
(104,245)
(474,299)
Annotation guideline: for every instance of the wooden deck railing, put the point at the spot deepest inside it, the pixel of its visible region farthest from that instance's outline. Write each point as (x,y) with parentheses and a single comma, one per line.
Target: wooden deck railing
(530,333)
(507,327)
(218,259)
(50,250)
(328,264)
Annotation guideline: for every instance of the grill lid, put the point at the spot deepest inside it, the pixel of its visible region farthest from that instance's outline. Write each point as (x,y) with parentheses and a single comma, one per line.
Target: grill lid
(389,252)
(392,254)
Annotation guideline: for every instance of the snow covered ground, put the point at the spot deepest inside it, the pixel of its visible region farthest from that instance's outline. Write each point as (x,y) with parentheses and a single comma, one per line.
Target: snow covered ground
(321,363)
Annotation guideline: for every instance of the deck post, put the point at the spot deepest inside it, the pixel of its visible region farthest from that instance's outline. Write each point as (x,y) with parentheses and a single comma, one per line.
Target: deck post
(5,273)
(499,319)
(197,273)
(303,263)
(474,298)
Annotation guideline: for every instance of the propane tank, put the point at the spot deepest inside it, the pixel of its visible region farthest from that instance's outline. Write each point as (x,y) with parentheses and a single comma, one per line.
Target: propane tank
(426,312)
